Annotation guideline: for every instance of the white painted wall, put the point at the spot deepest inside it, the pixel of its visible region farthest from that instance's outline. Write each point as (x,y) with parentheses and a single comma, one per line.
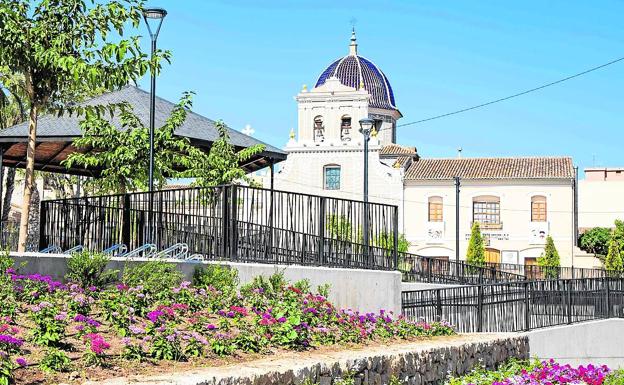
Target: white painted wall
(601,202)
(515,203)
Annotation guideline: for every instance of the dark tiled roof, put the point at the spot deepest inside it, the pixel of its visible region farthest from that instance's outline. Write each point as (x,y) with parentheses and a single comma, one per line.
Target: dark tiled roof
(355,71)
(196,126)
(396,149)
(492,168)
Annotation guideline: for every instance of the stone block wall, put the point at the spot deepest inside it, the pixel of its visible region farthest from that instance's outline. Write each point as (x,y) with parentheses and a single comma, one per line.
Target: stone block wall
(426,362)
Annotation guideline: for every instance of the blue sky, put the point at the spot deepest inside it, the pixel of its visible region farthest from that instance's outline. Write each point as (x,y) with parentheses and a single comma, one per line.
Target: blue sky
(247,59)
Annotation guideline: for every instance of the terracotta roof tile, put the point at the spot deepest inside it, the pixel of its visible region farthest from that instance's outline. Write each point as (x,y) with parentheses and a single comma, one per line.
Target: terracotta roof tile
(396,149)
(492,168)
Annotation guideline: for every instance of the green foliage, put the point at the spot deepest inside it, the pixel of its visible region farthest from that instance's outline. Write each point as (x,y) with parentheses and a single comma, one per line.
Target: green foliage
(64,50)
(475,255)
(154,276)
(324,289)
(339,228)
(123,154)
(49,328)
(55,360)
(481,376)
(613,261)
(222,163)
(6,370)
(270,285)
(596,240)
(615,378)
(89,269)
(222,278)
(386,241)
(549,261)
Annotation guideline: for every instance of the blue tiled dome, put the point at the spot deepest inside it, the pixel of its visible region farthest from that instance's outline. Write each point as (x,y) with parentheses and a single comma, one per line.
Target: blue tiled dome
(358,72)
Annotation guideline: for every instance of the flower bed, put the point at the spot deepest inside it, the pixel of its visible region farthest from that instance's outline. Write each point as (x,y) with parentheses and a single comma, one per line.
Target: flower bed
(541,373)
(49,327)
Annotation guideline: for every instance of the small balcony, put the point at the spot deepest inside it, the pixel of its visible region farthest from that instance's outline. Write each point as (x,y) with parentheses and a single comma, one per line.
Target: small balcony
(489,226)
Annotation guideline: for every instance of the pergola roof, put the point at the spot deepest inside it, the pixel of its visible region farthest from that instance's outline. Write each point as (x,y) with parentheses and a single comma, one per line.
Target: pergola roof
(56,134)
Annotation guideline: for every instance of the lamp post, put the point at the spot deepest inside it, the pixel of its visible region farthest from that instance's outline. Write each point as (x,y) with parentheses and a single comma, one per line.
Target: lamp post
(366,127)
(152,14)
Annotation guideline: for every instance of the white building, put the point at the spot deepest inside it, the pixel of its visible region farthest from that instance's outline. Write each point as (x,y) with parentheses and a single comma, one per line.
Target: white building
(601,197)
(517,200)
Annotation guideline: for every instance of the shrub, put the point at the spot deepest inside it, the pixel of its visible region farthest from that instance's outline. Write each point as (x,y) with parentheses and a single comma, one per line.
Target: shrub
(154,276)
(595,240)
(615,378)
(549,260)
(476,249)
(55,361)
(482,376)
(219,277)
(89,270)
(613,261)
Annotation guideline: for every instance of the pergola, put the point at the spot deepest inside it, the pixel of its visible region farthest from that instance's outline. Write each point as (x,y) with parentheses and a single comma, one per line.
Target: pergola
(55,136)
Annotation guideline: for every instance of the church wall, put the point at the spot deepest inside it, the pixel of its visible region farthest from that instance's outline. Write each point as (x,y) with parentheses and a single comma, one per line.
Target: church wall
(517,239)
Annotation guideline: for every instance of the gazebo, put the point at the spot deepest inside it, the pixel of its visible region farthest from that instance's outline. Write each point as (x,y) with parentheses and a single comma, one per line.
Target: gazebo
(55,135)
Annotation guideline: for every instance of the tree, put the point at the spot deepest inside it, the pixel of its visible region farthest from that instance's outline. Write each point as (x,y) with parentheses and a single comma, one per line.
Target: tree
(123,152)
(549,260)
(475,255)
(614,261)
(386,241)
(65,48)
(596,240)
(222,164)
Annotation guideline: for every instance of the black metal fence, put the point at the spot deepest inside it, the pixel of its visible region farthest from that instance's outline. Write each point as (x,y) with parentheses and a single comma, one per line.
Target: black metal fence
(231,222)
(518,306)
(417,268)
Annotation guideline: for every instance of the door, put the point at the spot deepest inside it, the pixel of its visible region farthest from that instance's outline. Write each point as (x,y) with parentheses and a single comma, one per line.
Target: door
(531,269)
(492,256)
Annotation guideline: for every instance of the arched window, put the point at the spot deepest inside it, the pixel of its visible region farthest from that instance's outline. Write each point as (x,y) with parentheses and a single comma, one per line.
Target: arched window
(331,177)
(435,209)
(486,211)
(319,129)
(345,128)
(538,208)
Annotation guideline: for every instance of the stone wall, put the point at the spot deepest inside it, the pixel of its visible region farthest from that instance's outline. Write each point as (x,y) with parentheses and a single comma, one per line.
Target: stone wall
(426,362)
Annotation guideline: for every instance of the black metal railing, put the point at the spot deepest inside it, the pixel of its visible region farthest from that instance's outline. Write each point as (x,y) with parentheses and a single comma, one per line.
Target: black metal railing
(417,268)
(518,306)
(231,222)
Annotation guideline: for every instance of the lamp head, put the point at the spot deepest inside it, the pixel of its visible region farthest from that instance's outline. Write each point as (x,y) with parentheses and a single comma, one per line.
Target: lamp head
(366,125)
(154,13)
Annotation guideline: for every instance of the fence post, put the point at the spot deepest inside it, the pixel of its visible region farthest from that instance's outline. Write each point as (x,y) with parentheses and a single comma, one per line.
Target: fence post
(224,222)
(125,225)
(428,269)
(527,309)
(396,238)
(608,299)
(43,214)
(569,294)
(480,308)
(321,231)
(234,223)
(439,304)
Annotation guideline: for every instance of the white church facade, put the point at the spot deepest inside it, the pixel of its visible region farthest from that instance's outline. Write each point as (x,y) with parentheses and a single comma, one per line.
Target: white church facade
(518,201)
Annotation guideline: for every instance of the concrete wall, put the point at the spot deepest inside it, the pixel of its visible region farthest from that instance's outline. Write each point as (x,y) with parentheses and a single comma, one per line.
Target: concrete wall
(363,290)
(597,342)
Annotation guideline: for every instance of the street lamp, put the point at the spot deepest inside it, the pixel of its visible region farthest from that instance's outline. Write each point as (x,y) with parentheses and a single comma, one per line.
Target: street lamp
(366,127)
(152,14)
